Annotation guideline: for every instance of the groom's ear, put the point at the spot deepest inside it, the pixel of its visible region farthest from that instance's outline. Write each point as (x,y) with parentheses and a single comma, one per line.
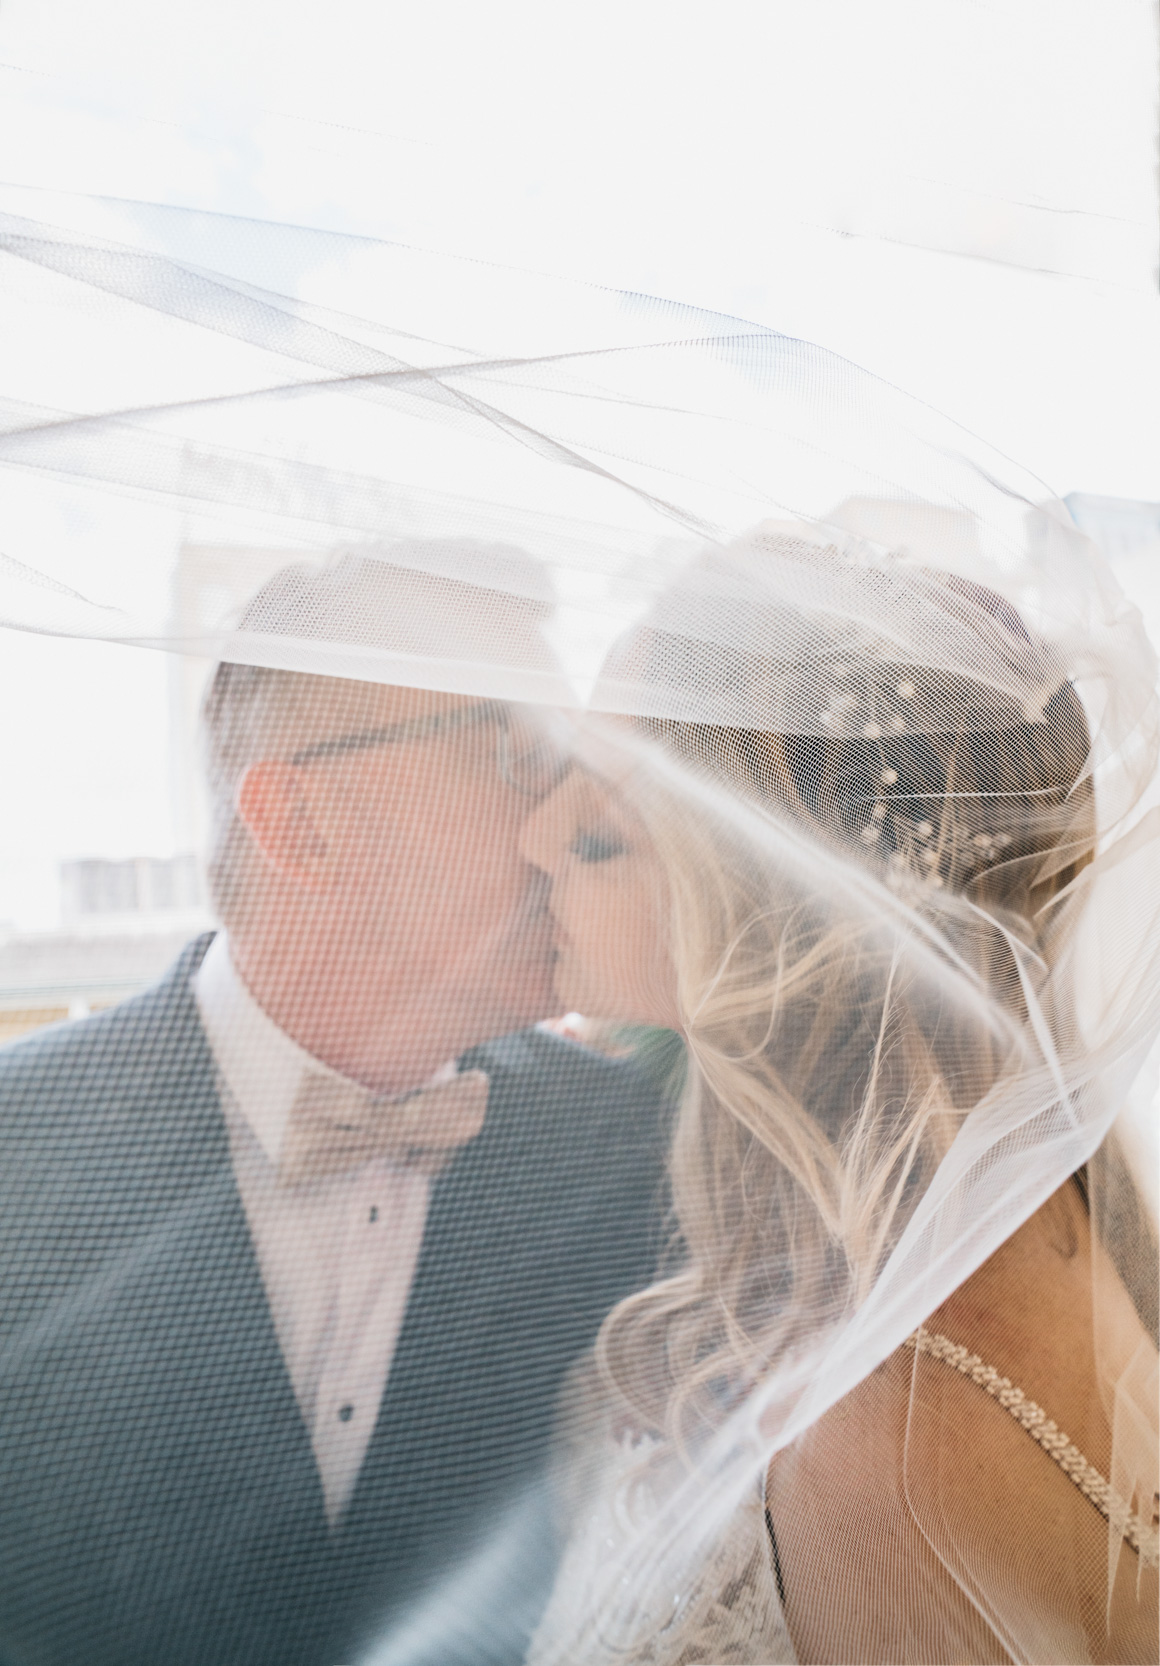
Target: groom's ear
(277,807)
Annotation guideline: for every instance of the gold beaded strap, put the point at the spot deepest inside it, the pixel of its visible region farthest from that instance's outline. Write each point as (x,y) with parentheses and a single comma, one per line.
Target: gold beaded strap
(1141,1535)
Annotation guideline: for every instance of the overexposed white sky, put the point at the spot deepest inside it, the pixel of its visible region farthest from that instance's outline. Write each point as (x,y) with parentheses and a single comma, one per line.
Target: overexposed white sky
(960,196)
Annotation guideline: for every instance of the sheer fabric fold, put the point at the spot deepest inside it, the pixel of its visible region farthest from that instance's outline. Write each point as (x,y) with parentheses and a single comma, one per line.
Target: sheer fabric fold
(760,601)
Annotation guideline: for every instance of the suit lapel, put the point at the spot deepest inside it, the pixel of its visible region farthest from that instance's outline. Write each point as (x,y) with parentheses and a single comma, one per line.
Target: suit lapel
(256,1484)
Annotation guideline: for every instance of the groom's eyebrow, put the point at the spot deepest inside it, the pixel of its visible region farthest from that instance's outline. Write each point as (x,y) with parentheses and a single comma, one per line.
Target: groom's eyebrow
(395,734)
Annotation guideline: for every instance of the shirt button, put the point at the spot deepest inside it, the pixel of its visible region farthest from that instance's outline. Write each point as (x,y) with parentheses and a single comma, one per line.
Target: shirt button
(345,1413)
(374,1213)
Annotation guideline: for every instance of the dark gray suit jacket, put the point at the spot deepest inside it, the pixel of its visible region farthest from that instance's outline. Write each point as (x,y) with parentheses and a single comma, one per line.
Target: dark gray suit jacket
(159,1501)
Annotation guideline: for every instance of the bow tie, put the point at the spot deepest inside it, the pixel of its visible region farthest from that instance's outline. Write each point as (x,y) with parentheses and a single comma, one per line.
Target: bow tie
(336,1125)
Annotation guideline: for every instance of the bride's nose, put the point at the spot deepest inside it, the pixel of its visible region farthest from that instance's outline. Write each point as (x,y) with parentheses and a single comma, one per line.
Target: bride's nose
(547,832)
(541,836)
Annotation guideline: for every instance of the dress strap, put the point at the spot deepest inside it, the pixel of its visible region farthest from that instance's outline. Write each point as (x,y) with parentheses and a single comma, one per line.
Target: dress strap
(1140,1534)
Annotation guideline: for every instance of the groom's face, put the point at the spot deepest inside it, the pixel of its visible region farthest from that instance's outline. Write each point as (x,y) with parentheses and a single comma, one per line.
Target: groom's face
(396,830)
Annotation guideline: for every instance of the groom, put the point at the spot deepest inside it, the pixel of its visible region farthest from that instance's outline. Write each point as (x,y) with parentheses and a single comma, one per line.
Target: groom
(294,1258)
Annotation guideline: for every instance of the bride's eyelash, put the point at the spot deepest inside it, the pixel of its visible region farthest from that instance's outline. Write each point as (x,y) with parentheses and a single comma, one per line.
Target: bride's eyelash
(596,847)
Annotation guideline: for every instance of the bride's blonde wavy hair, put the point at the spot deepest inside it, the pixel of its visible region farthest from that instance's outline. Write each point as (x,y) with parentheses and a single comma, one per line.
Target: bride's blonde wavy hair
(822,1088)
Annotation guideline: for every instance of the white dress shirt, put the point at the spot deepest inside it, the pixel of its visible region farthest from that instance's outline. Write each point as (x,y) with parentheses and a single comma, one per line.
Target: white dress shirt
(337,1256)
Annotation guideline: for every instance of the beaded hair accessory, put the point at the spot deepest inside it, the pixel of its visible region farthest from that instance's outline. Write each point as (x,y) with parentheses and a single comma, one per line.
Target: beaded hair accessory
(919,848)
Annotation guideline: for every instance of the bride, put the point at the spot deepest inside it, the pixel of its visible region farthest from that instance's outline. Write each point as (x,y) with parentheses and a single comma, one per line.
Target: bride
(867,916)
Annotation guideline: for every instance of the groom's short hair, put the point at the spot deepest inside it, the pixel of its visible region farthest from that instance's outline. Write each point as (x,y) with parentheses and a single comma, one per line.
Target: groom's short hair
(353,613)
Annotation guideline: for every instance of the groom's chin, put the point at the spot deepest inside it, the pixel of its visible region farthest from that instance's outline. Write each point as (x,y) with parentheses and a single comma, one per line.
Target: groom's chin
(522,981)
(499,1001)
(532,1002)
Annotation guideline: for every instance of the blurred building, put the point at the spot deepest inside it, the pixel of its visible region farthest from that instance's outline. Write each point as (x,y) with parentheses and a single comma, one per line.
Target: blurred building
(46,977)
(1123,528)
(1129,535)
(123,922)
(142,885)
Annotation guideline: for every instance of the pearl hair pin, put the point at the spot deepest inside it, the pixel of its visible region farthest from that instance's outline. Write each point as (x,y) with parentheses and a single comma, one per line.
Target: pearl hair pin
(920,851)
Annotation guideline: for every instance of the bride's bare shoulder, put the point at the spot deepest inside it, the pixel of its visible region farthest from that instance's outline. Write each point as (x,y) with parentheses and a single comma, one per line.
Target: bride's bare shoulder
(966,1513)
(1028,1313)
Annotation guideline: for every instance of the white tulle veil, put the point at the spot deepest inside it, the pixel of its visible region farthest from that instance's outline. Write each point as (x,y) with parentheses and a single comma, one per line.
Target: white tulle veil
(802,551)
